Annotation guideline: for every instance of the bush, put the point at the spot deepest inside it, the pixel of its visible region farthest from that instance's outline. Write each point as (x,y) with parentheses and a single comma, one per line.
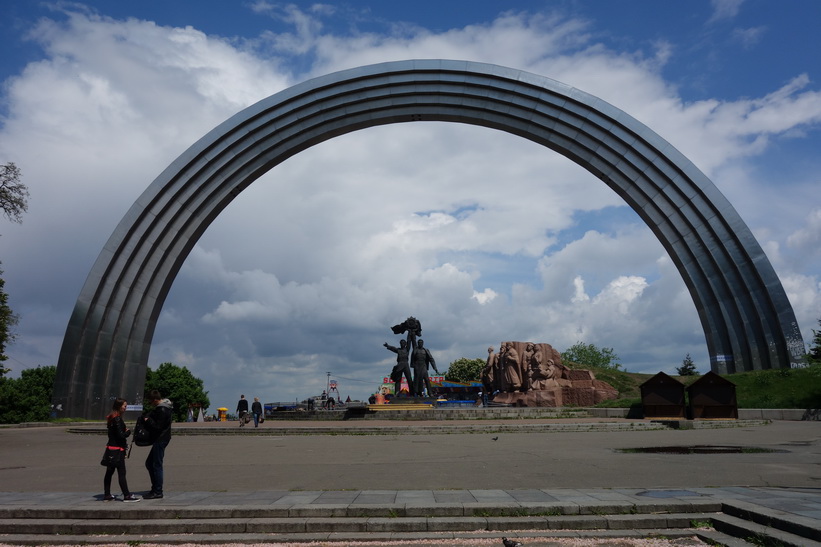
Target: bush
(590,355)
(28,398)
(465,370)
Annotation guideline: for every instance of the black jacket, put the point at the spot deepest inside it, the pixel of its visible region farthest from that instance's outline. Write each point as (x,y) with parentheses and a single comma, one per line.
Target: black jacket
(117,432)
(158,421)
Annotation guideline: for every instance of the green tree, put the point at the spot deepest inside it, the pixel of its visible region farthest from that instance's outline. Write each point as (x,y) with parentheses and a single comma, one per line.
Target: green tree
(13,202)
(814,354)
(687,368)
(592,356)
(465,370)
(28,398)
(13,193)
(179,385)
(8,320)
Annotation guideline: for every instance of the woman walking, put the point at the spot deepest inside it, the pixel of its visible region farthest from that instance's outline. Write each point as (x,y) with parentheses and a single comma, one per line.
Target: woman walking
(116,452)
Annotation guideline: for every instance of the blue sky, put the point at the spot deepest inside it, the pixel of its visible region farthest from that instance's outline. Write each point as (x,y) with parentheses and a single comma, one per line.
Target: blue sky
(490,238)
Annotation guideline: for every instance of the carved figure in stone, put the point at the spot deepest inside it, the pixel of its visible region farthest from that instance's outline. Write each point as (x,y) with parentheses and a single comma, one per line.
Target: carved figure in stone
(512,372)
(489,372)
(539,378)
(402,367)
(421,360)
(501,381)
(536,357)
(543,375)
(524,365)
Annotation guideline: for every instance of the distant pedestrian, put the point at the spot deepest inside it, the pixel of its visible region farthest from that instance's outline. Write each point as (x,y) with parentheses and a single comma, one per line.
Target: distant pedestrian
(158,422)
(242,409)
(116,451)
(256,410)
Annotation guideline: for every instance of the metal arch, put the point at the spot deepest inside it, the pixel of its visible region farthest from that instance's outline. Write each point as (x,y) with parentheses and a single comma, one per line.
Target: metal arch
(747,319)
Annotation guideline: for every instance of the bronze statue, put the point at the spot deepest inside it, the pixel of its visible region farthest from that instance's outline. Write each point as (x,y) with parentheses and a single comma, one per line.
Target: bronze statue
(401,367)
(421,360)
(413,327)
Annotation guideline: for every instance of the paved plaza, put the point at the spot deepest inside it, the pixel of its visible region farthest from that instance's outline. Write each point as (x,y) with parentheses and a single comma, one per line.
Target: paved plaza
(48,459)
(285,466)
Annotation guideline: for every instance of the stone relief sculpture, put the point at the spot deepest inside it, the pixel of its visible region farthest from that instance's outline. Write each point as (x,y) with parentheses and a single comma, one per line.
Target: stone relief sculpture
(530,374)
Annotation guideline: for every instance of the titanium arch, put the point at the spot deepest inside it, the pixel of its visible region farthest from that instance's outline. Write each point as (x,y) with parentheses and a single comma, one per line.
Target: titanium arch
(747,319)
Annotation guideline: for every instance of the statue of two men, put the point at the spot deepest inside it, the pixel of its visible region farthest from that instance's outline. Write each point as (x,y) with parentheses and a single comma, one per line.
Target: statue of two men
(420,358)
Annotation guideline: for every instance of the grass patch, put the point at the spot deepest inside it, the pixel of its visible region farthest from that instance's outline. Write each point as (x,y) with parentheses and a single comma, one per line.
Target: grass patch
(778,388)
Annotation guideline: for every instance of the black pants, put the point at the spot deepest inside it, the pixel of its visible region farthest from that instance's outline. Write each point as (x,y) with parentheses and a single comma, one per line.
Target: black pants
(109,472)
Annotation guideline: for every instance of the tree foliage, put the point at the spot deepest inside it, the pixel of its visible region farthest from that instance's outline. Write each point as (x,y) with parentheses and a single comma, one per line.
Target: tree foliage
(28,398)
(8,320)
(465,370)
(592,356)
(13,193)
(13,202)
(814,355)
(687,368)
(179,385)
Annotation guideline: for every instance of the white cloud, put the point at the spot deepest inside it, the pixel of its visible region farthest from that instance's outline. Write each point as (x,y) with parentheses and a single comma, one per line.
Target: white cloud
(807,239)
(486,296)
(475,232)
(749,37)
(725,9)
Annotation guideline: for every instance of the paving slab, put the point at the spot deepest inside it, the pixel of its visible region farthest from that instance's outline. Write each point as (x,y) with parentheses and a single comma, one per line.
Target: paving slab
(457,474)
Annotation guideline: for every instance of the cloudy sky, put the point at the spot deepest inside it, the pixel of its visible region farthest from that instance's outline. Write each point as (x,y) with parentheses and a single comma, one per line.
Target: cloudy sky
(481,235)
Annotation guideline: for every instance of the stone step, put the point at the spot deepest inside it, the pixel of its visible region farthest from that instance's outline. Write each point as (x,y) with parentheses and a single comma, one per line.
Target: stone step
(707,519)
(147,510)
(443,429)
(294,525)
(759,534)
(531,538)
(797,525)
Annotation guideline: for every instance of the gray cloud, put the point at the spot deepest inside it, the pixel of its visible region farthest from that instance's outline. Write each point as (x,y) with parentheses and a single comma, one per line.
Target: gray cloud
(305,271)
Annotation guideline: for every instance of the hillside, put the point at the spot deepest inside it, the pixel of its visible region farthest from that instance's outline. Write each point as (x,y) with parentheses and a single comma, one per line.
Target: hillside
(782,388)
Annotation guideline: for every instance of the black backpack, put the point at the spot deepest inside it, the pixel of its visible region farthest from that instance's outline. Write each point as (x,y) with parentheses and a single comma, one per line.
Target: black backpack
(142,435)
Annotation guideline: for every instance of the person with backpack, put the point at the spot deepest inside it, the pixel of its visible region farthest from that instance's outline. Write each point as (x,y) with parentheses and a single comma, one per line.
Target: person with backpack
(158,423)
(256,410)
(115,452)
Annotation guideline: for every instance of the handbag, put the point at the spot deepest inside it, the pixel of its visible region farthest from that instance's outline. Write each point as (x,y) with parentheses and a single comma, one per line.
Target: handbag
(112,456)
(261,419)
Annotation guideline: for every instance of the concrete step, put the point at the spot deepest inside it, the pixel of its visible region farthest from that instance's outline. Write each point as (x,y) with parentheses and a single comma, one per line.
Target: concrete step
(294,525)
(443,429)
(806,527)
(530,538)
(147,510)
(115,522)
(759,534)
